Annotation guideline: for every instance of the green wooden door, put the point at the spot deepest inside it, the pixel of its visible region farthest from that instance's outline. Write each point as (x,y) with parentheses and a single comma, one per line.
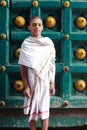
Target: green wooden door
(65,22)
(15,21)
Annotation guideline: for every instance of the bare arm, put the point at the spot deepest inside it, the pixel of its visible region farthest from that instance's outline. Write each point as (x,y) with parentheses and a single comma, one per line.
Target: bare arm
(25,81)
(52,88)
(52,77)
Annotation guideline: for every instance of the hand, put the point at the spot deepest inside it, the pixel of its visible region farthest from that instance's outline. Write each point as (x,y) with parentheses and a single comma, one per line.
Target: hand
(27,92)
(52,89)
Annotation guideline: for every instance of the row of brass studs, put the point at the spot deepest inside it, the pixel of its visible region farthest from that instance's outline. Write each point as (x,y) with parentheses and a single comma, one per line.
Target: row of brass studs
(50,22)
(4,3)
(20,21)
(80,53)
(18,85)
(35,3)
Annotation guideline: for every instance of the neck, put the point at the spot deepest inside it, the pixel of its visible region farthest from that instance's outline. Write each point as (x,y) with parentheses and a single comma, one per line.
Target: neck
(39,36)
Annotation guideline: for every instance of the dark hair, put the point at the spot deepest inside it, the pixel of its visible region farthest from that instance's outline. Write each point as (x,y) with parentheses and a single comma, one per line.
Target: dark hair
(34,17)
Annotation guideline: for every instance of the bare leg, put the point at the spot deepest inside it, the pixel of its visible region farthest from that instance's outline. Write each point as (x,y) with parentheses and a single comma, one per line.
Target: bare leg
(32,125)
(44,124)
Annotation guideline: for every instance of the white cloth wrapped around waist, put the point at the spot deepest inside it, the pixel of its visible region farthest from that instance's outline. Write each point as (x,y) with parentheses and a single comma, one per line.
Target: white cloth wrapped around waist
(26,105)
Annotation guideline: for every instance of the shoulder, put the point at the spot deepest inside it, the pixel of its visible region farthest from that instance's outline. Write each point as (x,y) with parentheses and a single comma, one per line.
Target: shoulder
(25,41)
(49,40)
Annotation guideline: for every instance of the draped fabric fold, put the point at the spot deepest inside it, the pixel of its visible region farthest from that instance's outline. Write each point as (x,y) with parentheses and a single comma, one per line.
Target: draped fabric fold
(37,54)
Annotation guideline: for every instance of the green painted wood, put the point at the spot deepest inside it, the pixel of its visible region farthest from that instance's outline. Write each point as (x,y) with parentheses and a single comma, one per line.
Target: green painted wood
(61,115)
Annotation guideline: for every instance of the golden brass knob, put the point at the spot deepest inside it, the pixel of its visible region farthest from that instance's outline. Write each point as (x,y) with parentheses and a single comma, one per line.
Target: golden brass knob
(19,21)
(35,3)
(17,53)
(18,86)
(2,68)
(3,3)
(65,103)
(66,69)
(80,85)
(66,37)
(81,22)
(2,36)
(2,103)
(50,22)
(80,53)
(66,4)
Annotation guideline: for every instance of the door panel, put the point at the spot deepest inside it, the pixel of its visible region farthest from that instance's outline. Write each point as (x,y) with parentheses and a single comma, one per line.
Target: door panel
(70,40)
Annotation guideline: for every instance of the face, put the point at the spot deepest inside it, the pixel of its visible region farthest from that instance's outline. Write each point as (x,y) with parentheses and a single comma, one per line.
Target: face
(36,27)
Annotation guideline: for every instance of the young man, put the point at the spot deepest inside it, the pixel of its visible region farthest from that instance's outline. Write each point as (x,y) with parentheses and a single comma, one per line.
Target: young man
(38,55)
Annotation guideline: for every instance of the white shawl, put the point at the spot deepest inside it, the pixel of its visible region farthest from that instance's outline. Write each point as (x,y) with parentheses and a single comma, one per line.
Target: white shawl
(37,53)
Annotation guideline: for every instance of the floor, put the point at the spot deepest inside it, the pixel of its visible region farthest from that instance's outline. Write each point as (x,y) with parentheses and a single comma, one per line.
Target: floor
(62,128)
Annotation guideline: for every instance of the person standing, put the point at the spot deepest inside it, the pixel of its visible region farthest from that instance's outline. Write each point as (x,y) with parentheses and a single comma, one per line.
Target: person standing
(37,68)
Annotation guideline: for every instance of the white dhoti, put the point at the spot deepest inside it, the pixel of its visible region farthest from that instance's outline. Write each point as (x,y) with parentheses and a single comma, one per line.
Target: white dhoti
(38,105)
